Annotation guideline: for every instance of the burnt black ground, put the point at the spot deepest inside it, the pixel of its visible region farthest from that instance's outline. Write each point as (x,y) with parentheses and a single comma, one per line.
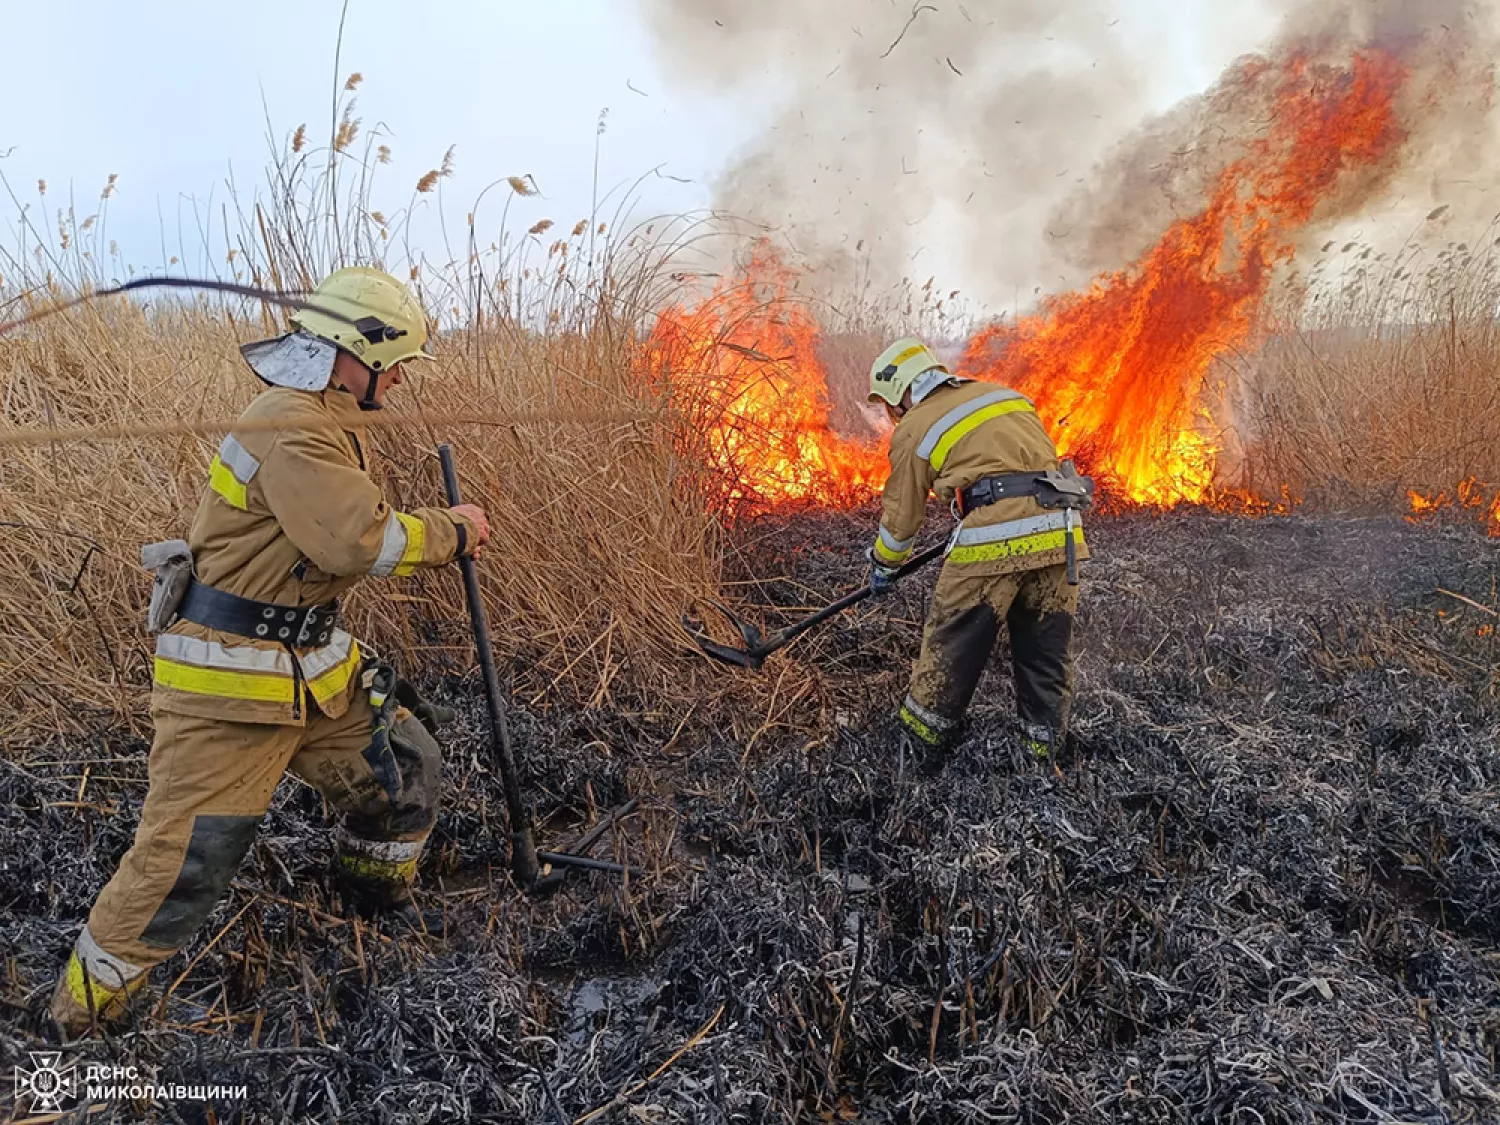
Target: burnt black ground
(1263,885)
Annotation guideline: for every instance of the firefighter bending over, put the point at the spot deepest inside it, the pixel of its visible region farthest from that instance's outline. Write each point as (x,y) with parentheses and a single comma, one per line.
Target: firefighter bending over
(985,453)
(253,674)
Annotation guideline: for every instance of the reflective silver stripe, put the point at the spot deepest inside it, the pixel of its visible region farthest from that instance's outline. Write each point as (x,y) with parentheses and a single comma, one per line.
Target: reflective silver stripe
(893,545)
(327,658)
(212,654)
(106,968)
(393,851)
(238,459)
(958,414)
(931,718)
(1011,529)
(392,547)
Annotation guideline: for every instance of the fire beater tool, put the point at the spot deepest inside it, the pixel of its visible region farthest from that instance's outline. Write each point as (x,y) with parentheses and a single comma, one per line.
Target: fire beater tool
(526,862)
(758,647)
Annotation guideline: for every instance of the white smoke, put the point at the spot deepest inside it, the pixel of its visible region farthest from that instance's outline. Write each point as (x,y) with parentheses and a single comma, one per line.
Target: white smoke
(1013,141)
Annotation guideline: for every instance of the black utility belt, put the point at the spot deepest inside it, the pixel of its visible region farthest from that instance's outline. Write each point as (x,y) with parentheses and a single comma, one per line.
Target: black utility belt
(993,489)
(1054,489)
(297,627)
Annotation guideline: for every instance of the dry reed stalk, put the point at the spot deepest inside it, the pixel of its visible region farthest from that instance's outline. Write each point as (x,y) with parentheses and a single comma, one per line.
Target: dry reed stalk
(1380,387)
(592,535)
(110,413)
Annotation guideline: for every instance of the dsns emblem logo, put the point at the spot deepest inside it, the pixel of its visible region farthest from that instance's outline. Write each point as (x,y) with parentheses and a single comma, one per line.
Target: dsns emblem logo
(48,1084)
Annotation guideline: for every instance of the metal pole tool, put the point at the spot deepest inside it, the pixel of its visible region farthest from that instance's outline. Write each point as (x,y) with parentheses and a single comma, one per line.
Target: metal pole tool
(525,862)
(758,647)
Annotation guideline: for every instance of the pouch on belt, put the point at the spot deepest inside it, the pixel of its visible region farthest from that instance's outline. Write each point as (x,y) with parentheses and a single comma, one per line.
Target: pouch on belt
(172,560)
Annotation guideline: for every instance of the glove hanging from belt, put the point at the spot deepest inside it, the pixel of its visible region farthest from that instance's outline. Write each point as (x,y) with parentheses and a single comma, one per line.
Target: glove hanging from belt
(294,626)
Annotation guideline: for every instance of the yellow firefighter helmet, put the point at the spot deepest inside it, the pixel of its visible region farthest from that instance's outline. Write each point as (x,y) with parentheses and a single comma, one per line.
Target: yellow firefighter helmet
(378,320)
(898,367)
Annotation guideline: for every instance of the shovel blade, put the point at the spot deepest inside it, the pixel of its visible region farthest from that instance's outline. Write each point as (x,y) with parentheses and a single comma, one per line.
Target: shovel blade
(546,884)
(727,654)
(748,632)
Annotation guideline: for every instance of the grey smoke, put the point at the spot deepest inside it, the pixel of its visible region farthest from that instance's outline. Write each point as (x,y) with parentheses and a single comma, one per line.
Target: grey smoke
(1162,170)
(1011,137)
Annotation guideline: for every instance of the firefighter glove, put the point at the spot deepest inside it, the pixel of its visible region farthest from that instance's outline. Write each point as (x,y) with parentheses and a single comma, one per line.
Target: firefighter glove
(433,716)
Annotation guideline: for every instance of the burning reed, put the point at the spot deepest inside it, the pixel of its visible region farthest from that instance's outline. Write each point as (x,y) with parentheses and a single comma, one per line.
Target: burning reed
(1382,391)
(1171,233)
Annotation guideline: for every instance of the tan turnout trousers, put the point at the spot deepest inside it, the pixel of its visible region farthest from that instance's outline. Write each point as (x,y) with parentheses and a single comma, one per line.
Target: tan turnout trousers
(1037,606)
(210,785)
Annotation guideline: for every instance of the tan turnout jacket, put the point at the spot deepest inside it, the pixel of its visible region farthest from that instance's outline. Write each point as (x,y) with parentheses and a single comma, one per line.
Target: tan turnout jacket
(291,516)
(959,432)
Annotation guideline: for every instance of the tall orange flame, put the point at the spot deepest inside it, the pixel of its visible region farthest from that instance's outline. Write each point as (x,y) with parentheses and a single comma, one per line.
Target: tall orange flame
(1118,369)
(744,365)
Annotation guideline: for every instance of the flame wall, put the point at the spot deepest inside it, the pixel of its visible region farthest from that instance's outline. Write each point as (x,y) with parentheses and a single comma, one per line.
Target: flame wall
(1174,228)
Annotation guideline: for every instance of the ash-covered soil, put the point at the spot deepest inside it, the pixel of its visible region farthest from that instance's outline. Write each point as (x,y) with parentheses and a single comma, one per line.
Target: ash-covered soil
(1262,884)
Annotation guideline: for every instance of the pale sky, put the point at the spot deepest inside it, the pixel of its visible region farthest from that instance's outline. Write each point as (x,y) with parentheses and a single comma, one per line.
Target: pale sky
(168,95)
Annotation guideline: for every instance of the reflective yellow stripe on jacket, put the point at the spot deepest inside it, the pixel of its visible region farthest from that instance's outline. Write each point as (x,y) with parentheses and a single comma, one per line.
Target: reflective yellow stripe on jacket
(1014,538)
(329,669)
(233,468)
(253,674)
(893,551)
(228,672)
(402,546)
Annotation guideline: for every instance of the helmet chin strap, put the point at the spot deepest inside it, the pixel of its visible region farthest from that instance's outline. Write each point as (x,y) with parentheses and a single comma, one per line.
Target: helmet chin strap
(368,401)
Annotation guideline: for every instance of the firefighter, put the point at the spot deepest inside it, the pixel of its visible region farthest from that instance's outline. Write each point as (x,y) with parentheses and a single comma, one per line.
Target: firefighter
(985,453)
(253,674)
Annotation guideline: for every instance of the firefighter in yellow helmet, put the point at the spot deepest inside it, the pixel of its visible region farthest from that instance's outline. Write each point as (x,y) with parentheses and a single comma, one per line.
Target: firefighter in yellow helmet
(254,675)
(985,453)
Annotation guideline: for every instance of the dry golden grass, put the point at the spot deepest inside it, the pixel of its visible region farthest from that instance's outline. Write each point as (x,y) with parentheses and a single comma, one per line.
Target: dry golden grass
(601,535)
(596,549)
(1385,384)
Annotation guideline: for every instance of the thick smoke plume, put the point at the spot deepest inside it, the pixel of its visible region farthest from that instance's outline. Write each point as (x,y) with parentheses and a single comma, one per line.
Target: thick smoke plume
(1012,140)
